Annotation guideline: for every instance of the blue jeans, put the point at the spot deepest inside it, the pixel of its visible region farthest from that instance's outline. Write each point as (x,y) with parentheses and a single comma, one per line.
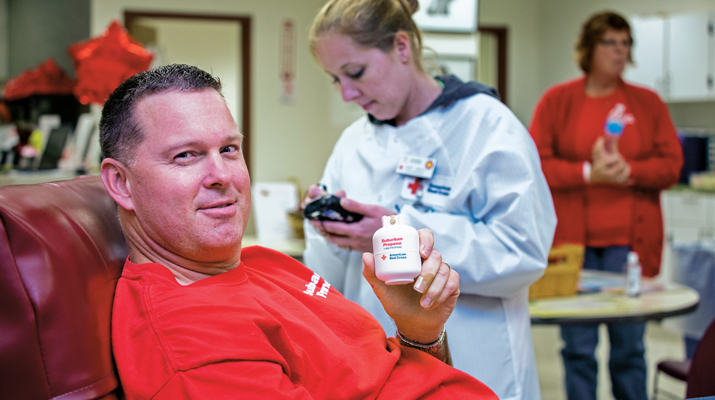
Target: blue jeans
(690,344)
(626,363)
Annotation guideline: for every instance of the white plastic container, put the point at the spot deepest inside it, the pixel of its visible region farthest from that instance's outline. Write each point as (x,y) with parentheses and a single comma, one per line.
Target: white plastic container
(396,250)
(633,275)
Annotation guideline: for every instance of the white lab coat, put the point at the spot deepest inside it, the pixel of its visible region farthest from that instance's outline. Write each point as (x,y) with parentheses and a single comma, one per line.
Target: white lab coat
(492,217)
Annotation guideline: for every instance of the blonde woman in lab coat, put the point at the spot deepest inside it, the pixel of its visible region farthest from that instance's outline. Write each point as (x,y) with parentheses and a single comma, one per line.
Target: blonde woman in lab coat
(486,200)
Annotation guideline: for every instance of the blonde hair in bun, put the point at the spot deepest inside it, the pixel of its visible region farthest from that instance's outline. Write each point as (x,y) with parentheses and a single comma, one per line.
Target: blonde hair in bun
(413,4)
(370,23)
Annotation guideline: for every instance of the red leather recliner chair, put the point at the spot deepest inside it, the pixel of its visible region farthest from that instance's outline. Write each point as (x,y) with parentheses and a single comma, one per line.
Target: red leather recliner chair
(61,254)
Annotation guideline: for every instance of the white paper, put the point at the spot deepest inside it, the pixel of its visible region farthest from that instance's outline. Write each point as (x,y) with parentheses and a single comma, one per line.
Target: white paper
(272,201)
(45,124)
(75,150)
(92,159)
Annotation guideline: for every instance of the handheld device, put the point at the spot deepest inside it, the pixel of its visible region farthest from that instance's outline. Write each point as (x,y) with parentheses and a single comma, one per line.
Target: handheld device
(327,208)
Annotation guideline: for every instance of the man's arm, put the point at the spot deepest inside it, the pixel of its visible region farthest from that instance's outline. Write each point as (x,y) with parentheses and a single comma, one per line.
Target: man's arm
(438,349)
(420,310)
(231,379)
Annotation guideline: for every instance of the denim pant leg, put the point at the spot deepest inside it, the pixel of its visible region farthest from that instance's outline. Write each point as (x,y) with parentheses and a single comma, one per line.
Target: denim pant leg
(627,360)
(690,344)
(611,259)
(626,363)
(580,341)
(581,369)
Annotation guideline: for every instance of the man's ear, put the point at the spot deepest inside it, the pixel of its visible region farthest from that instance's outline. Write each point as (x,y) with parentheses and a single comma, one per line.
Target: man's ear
(403,46)
(115,176)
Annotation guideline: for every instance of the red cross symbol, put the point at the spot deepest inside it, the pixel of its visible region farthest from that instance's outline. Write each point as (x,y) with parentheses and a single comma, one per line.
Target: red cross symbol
(384,257)
(415,186)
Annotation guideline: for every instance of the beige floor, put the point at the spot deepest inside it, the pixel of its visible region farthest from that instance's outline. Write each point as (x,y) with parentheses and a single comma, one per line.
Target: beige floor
(660,344)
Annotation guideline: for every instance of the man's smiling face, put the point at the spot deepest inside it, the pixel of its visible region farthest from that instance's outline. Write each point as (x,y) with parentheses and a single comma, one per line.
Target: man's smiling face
(189,183)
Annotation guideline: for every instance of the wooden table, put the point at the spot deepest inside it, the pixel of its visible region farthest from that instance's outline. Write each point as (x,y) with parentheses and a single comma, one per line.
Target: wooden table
(601,299)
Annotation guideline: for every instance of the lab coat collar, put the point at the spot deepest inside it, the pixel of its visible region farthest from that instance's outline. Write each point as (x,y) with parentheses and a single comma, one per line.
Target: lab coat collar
(418,137)
(453,89)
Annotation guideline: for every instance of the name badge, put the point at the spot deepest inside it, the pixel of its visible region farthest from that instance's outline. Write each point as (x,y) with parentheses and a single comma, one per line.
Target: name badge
(419,167)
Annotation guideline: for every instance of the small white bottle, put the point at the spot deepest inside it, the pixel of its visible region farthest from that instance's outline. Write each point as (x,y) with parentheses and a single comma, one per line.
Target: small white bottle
(633,275)
(396,250)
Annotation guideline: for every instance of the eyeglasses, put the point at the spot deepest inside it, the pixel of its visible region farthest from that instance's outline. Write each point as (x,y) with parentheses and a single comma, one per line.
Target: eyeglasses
(614,42)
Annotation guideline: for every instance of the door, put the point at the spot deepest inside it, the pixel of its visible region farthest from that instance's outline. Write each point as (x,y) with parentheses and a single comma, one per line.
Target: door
(217,44)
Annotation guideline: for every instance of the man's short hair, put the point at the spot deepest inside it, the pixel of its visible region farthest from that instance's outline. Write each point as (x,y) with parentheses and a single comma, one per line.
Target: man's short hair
(119,133)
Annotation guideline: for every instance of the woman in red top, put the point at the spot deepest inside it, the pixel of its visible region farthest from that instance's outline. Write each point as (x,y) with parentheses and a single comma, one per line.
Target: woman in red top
(607,150)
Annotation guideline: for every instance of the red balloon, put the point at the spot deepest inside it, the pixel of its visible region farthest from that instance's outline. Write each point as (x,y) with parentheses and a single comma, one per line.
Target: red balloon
(103,63)
(48,79)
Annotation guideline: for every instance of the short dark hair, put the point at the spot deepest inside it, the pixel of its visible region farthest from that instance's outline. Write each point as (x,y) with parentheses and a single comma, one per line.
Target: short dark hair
(119,132)
(592,32)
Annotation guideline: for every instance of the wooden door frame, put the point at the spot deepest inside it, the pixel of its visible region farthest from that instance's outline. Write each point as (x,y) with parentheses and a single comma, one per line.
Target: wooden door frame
(501,34)
(245,26)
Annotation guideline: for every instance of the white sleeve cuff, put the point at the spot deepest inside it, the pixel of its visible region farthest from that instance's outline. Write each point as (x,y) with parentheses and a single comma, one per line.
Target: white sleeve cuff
(587,171)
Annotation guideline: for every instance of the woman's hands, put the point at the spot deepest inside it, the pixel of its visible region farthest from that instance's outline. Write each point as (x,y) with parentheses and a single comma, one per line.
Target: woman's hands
(356,236)
(314,191)
(608,167)
(420,310)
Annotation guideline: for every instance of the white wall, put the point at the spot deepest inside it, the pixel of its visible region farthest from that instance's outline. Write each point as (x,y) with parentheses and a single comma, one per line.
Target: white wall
(557,39)
(522,19)
(295,140)
(542,34)
(288,140)
(212,45)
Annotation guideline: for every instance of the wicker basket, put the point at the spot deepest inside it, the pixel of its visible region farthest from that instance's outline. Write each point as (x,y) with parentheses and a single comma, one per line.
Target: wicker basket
(296,223)
(561,275)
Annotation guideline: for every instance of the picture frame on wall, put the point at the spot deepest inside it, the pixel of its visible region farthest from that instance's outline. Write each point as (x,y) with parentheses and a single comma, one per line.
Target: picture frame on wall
(462,66)
(454,16)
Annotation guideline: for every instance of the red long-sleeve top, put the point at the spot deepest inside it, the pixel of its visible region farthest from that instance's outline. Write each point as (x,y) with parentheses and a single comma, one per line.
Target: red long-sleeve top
(268,329)
(650,146)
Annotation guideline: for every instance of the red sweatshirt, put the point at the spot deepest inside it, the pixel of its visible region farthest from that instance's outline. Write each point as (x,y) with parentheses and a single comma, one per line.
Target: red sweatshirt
(269,329)
(650,146)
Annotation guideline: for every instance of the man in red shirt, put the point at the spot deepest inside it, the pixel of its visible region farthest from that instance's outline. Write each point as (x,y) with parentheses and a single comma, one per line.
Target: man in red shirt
(196,317)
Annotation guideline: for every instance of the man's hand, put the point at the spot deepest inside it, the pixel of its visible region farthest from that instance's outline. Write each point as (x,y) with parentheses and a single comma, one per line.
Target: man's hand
(356,236)
(419,315)
(608,167)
